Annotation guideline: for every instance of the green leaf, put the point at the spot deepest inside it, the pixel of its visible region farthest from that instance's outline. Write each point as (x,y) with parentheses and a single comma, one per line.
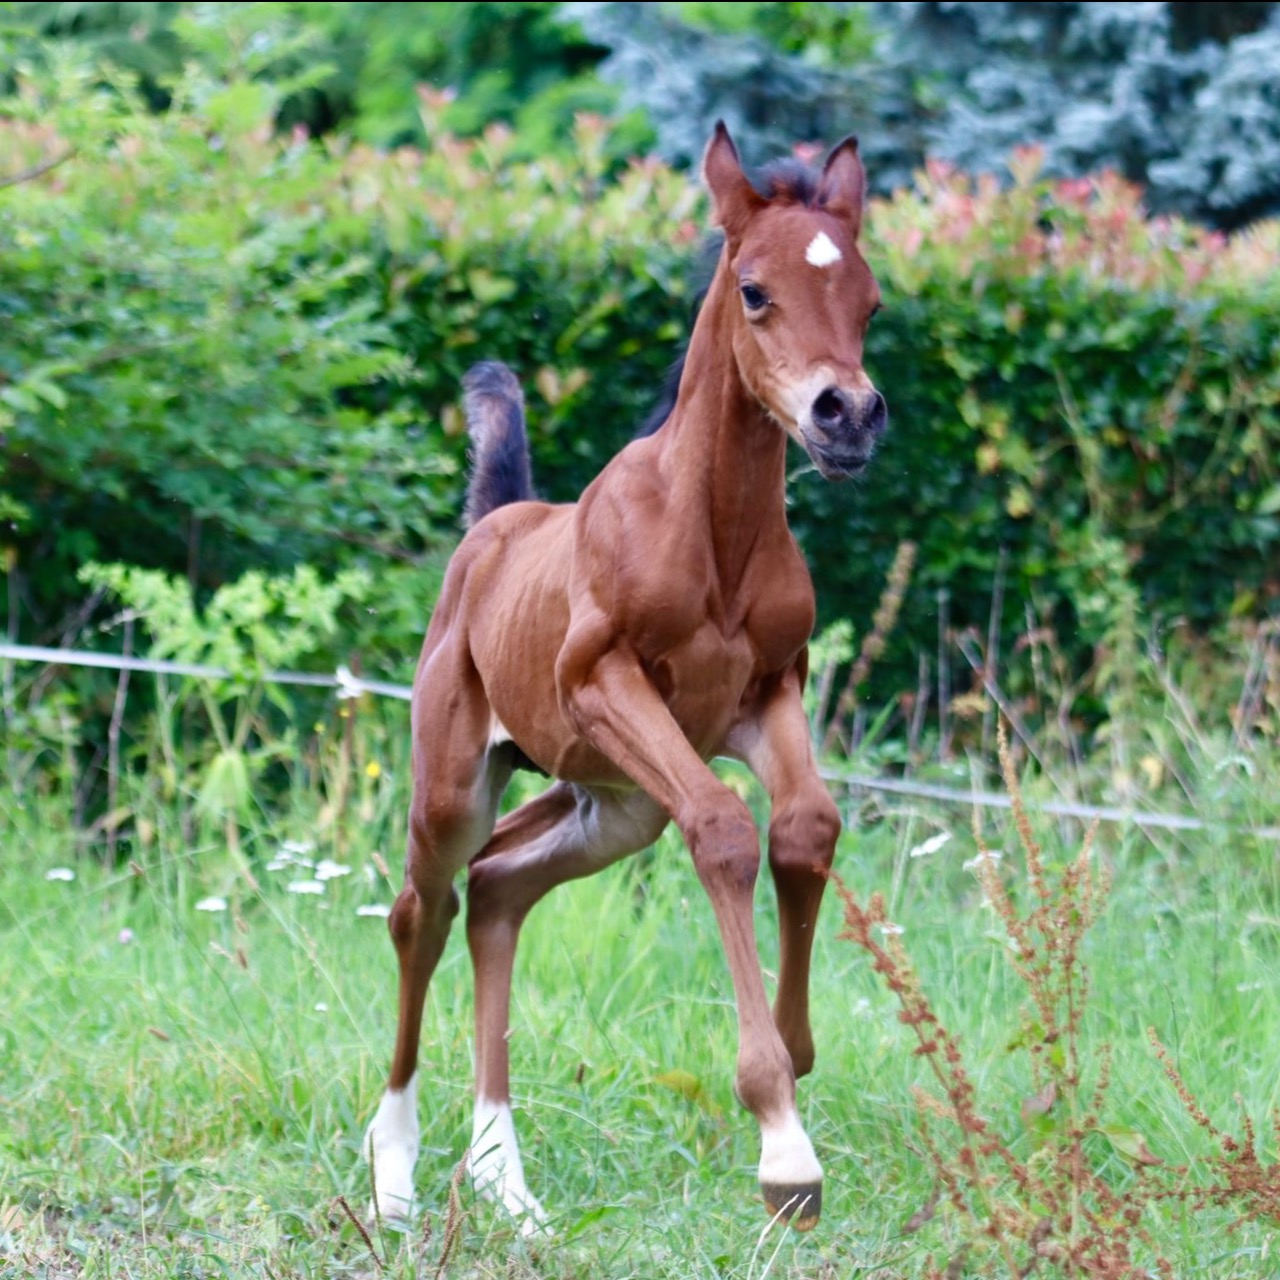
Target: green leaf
(21,398)
(241,106)
(49,392)
(226,788)
(687,1085)
(1130,1144)
(488,288)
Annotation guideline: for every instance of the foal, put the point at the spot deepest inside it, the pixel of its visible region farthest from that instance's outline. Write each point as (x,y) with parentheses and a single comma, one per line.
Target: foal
(620,644)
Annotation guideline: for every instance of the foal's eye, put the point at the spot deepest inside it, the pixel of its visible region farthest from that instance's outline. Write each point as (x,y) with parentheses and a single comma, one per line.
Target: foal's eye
(754,297)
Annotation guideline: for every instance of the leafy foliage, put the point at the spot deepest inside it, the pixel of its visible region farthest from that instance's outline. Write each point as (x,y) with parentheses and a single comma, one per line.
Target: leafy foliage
(1180,97)
(515,62)
(823,34)
(685,69)
(1094,391)
(225,350)
(148,289)
(252,627)
(511,62)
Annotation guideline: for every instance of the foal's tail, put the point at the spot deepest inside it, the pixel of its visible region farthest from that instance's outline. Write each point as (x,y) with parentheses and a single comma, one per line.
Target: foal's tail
(499,446)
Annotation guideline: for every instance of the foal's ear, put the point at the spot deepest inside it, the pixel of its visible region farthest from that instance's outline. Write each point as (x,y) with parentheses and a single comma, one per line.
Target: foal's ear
(733,197)
(844,183)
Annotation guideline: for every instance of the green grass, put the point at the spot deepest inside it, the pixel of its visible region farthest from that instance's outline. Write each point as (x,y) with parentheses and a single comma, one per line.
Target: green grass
(191,1102)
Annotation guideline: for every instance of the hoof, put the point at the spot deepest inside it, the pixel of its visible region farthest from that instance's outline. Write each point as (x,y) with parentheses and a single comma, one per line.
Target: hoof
(391,1211)
(800,1206)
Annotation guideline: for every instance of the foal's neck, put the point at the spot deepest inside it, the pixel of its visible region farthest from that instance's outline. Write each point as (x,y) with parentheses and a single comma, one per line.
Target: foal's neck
(724,456)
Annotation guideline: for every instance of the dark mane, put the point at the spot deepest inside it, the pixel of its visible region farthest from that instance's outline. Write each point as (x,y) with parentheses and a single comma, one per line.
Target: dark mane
(666,401)
(789,181)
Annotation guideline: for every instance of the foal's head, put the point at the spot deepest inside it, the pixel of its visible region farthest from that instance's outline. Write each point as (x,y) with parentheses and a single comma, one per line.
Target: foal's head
(805,296)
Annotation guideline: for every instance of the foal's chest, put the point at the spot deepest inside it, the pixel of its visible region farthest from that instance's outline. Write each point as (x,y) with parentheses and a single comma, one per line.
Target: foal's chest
(702,680)
(707,674)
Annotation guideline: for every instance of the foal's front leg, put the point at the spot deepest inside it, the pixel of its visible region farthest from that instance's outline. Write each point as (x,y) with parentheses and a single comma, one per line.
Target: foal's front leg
(612,704)
(804,825)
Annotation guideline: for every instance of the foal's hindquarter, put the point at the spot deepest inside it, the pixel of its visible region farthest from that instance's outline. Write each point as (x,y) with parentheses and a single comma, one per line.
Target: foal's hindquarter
(619,645)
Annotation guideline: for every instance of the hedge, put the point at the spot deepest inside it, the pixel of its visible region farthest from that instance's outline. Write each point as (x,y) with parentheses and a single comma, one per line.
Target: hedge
(1093,391)
(220,350)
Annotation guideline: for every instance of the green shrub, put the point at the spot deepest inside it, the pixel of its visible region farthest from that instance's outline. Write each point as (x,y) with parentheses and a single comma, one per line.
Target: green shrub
(224,350)
(521,62)
(1095,391)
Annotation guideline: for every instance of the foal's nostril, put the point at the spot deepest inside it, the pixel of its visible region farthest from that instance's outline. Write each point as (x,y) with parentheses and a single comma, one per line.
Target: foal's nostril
(831,408)
(878,415)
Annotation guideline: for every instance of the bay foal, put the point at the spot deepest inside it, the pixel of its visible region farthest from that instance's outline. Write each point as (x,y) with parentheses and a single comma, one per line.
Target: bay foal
(621,643)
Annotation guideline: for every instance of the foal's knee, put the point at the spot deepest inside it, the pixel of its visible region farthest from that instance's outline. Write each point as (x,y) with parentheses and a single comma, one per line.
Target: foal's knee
(803,835)
(439,815)
(495,897)
(411,910)
(725,845)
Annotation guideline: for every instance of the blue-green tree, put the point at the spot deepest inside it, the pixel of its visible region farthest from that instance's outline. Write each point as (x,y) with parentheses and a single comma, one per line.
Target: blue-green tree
(1183,98)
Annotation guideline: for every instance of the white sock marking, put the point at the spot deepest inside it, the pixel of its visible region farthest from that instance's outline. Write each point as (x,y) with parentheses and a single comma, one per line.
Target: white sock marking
(786,1154)
(822,251)
(391,1146)
(496,1167)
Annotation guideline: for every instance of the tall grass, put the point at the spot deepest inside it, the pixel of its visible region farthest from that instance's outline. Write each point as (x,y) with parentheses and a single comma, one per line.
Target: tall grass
(184,1090)
(196,1030)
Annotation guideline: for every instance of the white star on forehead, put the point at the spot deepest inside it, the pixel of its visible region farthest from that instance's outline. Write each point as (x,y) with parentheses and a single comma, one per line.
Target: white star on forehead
(822,252)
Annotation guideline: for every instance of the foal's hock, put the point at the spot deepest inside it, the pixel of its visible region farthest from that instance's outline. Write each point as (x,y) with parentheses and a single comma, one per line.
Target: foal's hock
(620,643)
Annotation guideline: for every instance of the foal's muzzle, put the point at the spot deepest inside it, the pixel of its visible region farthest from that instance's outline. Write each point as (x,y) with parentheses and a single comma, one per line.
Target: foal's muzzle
(843,429)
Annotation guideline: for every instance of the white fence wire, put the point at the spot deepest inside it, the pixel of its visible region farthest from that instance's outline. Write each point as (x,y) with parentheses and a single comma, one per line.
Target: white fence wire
(349,685)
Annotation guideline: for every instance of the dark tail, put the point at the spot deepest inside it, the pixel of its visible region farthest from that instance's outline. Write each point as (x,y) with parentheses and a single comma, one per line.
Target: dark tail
(499,446)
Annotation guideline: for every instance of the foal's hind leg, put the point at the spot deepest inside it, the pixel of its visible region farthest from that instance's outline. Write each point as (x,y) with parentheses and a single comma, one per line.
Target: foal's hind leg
(457,786)
(566,833)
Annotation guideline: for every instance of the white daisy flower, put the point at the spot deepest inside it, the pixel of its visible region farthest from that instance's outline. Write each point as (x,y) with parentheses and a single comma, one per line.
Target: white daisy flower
(931,845)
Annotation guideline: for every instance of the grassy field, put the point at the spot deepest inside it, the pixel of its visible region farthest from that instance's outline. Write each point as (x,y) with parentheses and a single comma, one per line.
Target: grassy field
(183,1090)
